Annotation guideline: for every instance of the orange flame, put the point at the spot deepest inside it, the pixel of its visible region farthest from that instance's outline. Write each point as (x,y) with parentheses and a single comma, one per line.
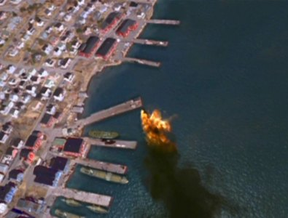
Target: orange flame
(156,130)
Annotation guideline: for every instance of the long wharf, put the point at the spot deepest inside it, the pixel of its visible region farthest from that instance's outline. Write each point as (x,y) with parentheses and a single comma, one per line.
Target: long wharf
(167,22)
(87,197)
(100,165)
(142,61)
(149,42)
(110,112)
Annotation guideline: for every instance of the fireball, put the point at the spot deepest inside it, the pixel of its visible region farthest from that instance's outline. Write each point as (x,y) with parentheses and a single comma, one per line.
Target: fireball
(156,130)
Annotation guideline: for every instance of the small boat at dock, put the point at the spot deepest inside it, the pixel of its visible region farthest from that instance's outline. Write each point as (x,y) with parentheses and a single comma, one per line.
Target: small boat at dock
(103,134)
(107,176)
(97,209)
(71,202)
(64,214)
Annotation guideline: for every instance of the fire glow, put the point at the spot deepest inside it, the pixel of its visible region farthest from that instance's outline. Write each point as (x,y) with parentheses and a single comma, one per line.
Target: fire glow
(156,130)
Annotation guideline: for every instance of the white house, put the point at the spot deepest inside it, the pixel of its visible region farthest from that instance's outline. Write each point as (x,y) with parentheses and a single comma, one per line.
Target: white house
(14,97)
(11,69)
(25,98)
(15,113)
(3,137)
(69,77)
(31,90)
(42,72)
(51,109)
(59,94)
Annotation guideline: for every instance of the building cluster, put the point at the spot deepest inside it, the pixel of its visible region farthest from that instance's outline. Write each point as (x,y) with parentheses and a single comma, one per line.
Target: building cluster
(39,50)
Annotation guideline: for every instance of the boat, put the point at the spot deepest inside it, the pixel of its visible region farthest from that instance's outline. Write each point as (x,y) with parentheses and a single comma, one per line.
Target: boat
(110,177)
(64,214)
(97,209)
(71,202)
(103,134)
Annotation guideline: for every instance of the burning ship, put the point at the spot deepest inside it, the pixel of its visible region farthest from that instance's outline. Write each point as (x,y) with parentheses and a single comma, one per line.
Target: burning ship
(157,130)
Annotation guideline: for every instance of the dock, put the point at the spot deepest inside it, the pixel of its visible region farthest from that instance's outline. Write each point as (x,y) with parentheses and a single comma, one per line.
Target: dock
(100,165)
(116,143)
(166,22)
(149,42)
(142,61)
(87,197)
(110,112)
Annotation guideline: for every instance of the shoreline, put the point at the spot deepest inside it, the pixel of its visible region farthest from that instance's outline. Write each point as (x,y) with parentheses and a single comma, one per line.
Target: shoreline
(97,72)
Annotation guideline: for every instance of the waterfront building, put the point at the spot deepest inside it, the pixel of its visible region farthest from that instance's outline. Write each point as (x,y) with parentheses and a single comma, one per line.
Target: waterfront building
(110,21)
(74,147)
(126,27)
(89,48)
(59,163)
(107,48)
(47,176)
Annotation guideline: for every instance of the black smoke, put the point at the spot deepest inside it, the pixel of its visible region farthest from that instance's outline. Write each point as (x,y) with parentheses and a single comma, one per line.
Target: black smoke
(181,190)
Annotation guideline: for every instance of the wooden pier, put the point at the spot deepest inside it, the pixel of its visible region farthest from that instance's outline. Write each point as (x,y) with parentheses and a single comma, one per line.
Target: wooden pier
(87,197)
(142,61)
(116,143)
(167,22)
(110,112)
(149,42)
(100,165)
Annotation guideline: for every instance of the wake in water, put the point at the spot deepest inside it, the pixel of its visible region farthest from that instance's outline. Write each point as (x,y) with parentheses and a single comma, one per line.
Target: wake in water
(181,190)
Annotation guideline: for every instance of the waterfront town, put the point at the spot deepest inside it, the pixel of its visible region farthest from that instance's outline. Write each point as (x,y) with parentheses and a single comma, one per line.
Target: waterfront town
(49,51)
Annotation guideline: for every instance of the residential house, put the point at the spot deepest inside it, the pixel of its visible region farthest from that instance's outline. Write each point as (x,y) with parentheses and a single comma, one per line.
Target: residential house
(69,77)
(11,69)
(47,120)
(16,175)
(63,63)
(51,109)
(59,94)
(17,143)
(7,128)
(8,192)
(4,168)
(3,137)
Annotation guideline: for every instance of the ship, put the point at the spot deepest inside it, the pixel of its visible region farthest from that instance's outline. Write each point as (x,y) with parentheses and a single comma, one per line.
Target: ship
(103,134)
(64,214)
(107,176)
(71,202)
(97,209)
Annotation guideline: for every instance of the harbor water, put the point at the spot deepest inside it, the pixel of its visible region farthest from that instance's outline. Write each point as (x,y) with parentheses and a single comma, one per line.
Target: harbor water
(224,84)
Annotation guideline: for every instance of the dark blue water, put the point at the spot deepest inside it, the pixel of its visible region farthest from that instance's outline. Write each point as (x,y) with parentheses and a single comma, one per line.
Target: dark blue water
(224,80)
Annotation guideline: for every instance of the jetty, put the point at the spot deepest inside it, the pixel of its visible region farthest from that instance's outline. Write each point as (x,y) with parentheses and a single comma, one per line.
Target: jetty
(110,112)
(142,61)
(149,42)
(166,22)
(100,165)
(111,143)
